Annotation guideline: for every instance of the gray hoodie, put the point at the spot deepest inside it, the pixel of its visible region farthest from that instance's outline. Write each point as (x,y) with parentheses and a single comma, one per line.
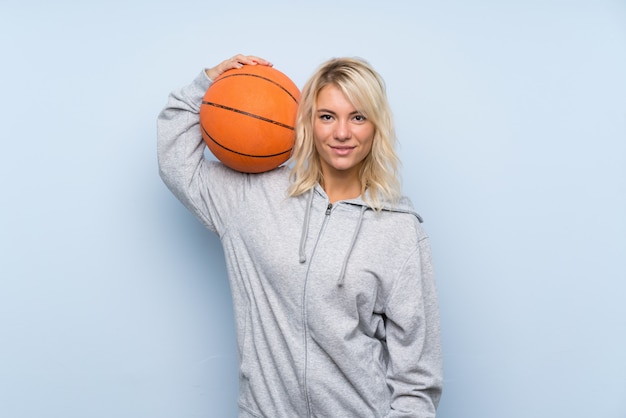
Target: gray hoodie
(335,305)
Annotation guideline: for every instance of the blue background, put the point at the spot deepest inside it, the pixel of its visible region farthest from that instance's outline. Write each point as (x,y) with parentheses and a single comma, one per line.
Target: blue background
(511,118)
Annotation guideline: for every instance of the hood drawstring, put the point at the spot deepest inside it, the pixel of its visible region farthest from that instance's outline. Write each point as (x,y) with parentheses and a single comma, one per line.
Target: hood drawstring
(305,227)
(305,233)
(345,260)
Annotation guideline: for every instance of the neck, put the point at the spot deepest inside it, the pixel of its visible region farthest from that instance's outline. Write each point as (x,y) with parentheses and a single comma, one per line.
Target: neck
(341,187)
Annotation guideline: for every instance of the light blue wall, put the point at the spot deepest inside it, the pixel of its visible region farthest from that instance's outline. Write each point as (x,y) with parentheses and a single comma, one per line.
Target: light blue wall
(512,122)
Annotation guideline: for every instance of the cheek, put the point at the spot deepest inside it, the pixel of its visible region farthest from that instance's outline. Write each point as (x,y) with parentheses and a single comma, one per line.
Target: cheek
(368,137)
(319,130)
(315,128)
(317,142)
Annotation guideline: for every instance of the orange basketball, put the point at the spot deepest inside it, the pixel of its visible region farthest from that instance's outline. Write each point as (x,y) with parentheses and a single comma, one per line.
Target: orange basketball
(247,118)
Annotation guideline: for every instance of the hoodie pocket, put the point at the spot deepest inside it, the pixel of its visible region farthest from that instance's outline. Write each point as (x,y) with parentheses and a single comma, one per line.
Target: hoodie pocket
(248,373)
(379,361)
(244,367)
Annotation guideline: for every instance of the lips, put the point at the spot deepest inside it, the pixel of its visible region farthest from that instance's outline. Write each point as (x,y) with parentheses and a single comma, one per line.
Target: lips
(342,150)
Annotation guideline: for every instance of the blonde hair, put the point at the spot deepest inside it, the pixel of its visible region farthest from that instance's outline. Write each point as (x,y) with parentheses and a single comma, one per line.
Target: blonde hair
(365,89)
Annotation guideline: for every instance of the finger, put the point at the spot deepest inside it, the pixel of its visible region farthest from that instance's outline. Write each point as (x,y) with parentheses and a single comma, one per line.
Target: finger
(236,61)
(262,61)
(251,60)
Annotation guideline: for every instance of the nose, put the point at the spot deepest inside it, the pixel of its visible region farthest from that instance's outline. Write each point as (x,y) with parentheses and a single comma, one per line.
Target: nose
(342,131)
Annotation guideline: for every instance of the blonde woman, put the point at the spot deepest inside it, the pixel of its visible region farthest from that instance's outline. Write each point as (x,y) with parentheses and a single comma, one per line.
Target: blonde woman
(330,270)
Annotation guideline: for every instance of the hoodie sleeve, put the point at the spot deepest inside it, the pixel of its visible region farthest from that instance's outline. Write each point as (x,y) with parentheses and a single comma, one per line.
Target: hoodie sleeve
(206,188)
(414,372)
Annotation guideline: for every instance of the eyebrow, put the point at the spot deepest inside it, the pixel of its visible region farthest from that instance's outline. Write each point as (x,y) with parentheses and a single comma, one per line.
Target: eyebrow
(356,112)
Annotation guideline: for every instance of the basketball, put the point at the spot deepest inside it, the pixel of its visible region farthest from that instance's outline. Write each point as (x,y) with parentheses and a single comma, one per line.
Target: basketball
(247,118)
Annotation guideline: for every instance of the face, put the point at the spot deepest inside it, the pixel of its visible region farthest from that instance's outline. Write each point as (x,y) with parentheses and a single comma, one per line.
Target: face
(343,136)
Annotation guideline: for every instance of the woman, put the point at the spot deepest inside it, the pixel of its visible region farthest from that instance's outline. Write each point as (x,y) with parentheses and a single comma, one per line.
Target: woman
(330,269)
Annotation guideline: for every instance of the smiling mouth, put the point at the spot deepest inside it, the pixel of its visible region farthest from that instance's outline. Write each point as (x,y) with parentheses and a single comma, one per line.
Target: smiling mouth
(342,150)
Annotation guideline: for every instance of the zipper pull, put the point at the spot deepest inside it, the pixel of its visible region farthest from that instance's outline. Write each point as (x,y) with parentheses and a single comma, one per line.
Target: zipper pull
(330,206)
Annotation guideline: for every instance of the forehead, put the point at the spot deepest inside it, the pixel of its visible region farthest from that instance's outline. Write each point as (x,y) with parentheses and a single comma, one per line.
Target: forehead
(331,97)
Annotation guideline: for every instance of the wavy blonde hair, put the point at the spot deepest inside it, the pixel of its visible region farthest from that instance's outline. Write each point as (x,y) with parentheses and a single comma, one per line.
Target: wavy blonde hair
(365,89)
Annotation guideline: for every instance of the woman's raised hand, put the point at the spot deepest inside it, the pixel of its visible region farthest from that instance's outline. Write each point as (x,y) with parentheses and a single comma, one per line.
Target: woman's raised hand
(237,61)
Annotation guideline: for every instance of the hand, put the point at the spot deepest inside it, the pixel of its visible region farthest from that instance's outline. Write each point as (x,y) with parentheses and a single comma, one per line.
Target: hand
(237,61)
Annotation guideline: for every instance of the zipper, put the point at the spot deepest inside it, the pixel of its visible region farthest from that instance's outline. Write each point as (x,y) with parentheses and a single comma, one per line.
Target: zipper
(304,310)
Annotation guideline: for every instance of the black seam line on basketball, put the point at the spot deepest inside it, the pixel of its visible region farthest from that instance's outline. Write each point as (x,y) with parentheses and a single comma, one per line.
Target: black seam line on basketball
(241,153)
(263,78)
(252,115)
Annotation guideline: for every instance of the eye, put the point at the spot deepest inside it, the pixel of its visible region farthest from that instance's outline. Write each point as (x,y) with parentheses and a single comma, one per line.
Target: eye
(360,118)
(325,116)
